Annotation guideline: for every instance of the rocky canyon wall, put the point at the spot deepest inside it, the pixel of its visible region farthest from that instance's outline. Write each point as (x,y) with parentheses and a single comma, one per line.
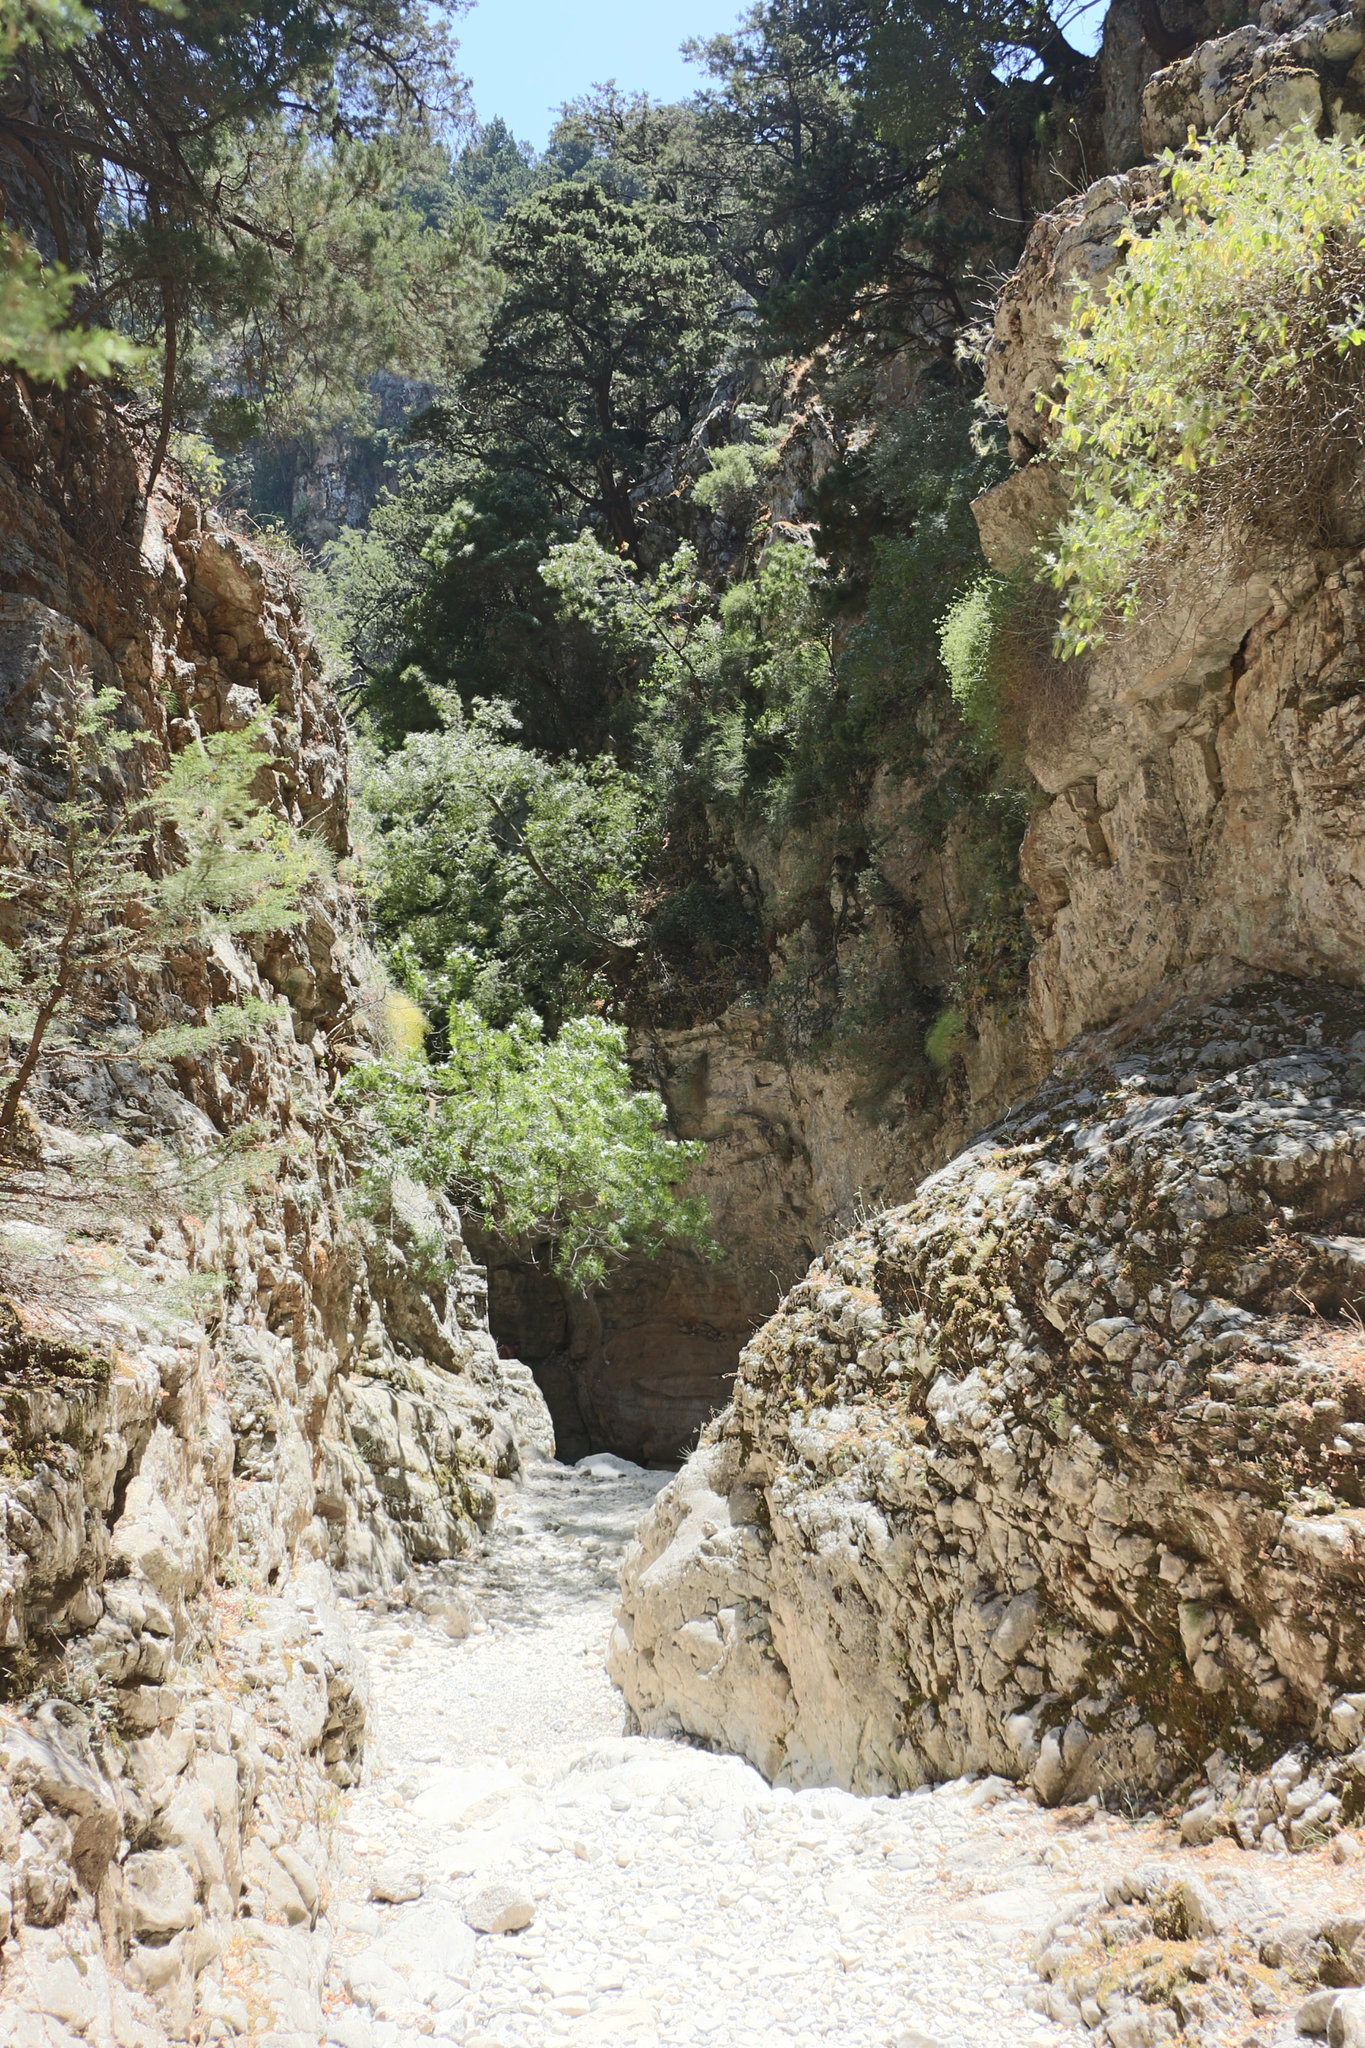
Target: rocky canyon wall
(215,1408)
(1056,1470)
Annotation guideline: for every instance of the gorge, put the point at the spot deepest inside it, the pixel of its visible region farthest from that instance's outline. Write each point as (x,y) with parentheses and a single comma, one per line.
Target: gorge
(452,1584)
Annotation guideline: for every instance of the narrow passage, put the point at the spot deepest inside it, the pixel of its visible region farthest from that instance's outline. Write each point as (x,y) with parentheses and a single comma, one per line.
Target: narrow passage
(675,1897)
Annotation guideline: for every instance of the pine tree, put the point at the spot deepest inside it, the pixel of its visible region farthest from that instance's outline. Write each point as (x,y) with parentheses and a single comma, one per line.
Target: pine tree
(98,888)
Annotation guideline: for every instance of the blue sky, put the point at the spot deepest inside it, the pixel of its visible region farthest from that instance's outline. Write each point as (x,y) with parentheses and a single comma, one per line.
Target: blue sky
(527,56)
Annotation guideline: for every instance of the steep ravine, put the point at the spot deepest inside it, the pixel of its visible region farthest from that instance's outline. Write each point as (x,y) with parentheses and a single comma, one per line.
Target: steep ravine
(994,1669)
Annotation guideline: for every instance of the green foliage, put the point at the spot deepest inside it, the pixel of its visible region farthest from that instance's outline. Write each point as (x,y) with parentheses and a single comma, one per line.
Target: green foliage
(544,1141)
(1009,678)
(254,169)
(37,334)
(966,638)
(497,874)
(486,625)
(933,68)
(602,337)
(944,1037)
(198,461)
(732,690)
(595,356)
(1220,373)
(495,172)
(126,868)
(774,152)
(60,23)
(898,519)
(732,485)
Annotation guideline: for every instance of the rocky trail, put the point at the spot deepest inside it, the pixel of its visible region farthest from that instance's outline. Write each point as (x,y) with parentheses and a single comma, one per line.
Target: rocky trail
(670,1896)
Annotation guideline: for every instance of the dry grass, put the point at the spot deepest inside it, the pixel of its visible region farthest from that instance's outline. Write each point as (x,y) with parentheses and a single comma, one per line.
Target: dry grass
(1037,693)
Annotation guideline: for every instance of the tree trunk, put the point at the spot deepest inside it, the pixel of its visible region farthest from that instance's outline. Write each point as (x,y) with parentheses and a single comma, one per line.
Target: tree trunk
(9,1110)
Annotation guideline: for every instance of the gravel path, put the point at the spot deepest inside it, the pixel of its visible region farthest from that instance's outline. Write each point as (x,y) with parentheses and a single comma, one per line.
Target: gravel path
(675,1897)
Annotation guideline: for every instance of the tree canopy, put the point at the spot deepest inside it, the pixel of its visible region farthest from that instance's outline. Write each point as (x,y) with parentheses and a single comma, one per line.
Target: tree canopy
(674,478)
(239,185)
(606,326)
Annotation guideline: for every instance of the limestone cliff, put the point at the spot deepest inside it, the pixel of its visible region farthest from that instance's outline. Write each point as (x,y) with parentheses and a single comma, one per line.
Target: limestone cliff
(1055,1471)
(207,1421)
(1059,1470)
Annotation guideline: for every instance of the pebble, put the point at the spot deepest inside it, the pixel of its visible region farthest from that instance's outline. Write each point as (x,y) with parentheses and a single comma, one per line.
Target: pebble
(394,1883)
(499,1908)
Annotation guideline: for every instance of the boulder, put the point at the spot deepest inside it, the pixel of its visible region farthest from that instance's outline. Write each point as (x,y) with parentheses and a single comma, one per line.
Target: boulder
(1024,1546)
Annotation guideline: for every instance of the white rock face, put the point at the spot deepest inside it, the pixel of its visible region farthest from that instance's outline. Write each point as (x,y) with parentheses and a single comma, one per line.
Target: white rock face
(1057,1472)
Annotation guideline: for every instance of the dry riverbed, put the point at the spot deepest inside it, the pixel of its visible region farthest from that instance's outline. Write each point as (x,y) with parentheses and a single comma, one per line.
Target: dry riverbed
(672,1897)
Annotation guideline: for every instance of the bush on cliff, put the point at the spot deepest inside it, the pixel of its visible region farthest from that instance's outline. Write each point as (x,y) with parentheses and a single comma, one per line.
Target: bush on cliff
(1220,376)
(543,1141)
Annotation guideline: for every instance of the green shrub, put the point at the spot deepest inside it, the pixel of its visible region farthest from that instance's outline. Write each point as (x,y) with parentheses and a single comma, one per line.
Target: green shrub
(1219,375)
(497,874)
(542,1140)
(98,892)
(732,485)
(944,1037)
(966,636)
(733,692)
(998,644)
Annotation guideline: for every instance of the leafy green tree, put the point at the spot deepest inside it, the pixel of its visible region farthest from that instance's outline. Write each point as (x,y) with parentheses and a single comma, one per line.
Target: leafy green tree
(495,172)
(485,623)
(241,174)
(345,277)
(823,170)
(98,889)
(934,68)
(734,692)
(767,157)
(38,330)
(497,874)
(604,334)
(543,1141)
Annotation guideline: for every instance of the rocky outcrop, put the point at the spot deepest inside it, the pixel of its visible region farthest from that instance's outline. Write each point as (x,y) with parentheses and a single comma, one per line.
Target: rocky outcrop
(1207,797)
(1204,780)
(1059,1470)
(222,1394)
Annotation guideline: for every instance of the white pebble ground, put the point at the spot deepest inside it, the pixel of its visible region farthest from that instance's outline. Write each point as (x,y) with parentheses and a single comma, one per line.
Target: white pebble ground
(676,1898)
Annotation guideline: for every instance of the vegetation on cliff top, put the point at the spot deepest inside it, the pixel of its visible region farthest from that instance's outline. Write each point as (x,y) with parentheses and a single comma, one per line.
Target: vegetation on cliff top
(1220,375)
(643,606)
(1213,386)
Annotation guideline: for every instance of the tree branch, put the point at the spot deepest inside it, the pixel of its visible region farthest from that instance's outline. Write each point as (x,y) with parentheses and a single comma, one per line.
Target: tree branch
(566,903)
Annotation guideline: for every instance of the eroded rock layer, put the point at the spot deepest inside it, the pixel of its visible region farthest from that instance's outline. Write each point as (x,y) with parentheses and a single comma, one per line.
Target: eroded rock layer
(218,1398)
(1059,1470)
